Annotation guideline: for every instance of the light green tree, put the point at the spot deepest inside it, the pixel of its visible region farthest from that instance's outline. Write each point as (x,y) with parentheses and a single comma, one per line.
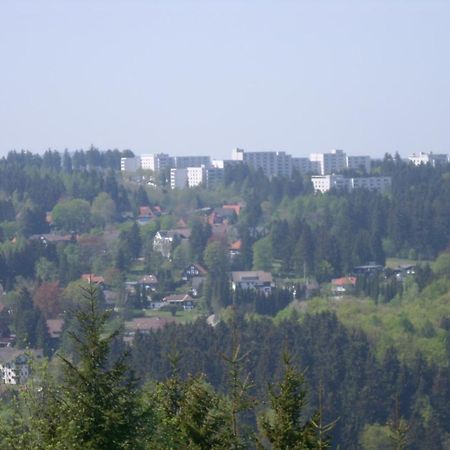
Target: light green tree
(262,254)
(103,209)
(72,215)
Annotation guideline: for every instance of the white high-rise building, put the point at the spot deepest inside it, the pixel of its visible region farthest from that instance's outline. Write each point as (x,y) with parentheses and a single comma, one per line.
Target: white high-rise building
(155,162)
(271,163)
(195,176)
(428,158)
(330,162)
(323,183)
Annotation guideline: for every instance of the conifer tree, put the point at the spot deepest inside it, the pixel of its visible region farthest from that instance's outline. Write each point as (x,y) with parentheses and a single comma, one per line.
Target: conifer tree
(288,427)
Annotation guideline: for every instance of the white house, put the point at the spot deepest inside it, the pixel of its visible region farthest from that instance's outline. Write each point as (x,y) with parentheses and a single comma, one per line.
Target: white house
(15,365)
(256,279)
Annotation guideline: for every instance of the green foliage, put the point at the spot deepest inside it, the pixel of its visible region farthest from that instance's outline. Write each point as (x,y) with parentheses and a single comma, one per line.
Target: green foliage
(376,437)
(288,426)
(72,215)
(262,254)
(187,414)
(441,267)
(103,210)
(217,288)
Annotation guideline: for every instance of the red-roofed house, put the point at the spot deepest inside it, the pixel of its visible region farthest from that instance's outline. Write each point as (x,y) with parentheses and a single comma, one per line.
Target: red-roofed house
(93,279)
(235,248)
(343,285)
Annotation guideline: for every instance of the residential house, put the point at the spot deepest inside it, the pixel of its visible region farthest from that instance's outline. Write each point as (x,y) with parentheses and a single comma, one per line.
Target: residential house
(93,279)
(193,270)
(257,279)
(344,285)
(222,215)
(15,365)
(164,240)
(145,325)
(150,282)
(145,215)
(235,249)
(183,300)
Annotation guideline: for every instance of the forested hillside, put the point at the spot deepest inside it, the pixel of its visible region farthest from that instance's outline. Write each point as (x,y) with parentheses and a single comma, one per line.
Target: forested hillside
(355,300)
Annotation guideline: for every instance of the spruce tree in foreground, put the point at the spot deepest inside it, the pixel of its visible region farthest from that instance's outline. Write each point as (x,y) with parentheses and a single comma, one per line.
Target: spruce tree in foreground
(287,426)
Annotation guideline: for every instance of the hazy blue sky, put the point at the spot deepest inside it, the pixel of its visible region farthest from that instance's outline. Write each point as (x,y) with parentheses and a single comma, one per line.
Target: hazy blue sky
(202,77)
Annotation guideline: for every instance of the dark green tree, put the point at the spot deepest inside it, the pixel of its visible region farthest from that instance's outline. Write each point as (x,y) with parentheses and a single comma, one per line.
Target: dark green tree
(289,427)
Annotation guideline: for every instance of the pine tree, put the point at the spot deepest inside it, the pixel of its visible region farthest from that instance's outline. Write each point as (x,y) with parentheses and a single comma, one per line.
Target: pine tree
(99,401)
(288,427)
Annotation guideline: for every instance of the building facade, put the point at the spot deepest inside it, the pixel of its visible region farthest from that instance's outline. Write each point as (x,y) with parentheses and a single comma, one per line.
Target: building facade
(324,183)
(431,158)
(195,176)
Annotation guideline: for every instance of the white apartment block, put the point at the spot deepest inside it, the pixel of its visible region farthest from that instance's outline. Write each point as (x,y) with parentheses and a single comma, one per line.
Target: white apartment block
(333,162)
(428,158)
(195,176)
(323,183)
(155,162)
(271,163)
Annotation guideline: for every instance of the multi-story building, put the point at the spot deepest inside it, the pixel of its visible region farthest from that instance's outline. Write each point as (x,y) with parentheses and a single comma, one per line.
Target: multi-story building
(130,164)
(271,163)
(195,176)
(183,162)
(358,163)
(330,162)
(305,165)
(214,176)
(428,158)
(155,162)
(323,183)
(380,184)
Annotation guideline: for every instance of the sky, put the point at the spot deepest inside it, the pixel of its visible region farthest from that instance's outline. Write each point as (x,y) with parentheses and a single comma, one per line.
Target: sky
(203,77)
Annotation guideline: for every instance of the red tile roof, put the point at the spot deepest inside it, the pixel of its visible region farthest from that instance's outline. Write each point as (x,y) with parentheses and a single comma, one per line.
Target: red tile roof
(344,281)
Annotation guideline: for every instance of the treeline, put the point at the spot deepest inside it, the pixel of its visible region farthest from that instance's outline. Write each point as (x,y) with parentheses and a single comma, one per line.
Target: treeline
(364,393)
